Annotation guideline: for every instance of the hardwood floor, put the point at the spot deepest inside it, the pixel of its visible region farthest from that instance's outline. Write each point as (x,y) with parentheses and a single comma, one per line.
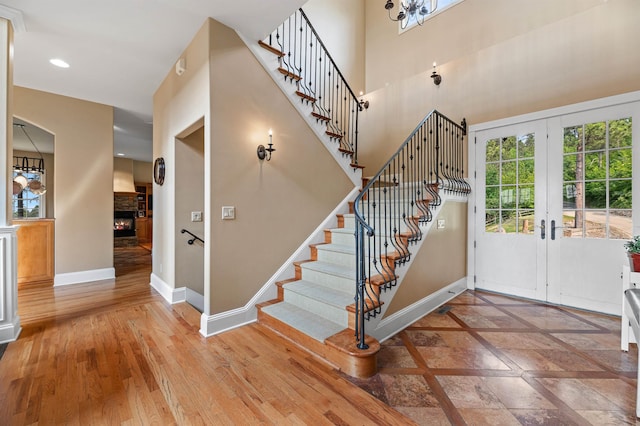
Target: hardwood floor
(114,352)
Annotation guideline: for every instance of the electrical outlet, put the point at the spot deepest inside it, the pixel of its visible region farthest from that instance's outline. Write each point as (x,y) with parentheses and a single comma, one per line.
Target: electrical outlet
(196,216)
(441,223)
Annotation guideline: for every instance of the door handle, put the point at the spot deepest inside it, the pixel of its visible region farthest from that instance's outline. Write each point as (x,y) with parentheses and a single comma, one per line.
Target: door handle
(553,229)
(543,232)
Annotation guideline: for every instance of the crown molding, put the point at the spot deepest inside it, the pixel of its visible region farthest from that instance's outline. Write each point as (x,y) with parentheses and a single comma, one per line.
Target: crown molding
(15,16)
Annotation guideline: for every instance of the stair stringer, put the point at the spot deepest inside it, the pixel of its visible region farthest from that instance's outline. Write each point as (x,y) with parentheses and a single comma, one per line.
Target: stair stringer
(381,328)
(270,64)
(211,325)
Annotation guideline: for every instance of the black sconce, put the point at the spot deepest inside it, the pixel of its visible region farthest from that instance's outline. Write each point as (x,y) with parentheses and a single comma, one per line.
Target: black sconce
(362,104)
(262,151)
(437,78)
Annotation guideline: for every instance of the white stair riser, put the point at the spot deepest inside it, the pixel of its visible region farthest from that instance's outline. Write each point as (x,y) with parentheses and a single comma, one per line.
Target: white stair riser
(332,313)
(331,281)
(343,238)
(344,259)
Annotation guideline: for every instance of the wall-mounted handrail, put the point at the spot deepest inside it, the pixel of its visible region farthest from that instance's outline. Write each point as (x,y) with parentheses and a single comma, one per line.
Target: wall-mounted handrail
(304,59)
(396,201)
(192,240)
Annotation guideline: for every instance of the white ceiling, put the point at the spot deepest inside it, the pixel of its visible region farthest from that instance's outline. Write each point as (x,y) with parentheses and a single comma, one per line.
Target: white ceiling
(121,50)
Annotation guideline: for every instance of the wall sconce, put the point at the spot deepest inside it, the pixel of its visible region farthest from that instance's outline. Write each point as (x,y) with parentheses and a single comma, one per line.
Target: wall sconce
(437,78)
(262,151)
(363,104)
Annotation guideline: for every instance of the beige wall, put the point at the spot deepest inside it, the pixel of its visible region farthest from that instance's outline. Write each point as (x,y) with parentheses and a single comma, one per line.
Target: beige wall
(189,259)
(340,25)
(83,175)
(142,171)
(123,175)
(49,167)
(441,261)
(498,58)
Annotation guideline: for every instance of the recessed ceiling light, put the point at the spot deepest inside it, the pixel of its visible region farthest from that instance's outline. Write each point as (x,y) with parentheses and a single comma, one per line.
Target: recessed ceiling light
(120,154)
(59,63)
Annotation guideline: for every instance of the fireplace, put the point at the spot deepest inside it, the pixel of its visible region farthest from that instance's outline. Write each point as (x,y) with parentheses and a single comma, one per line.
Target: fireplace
(124,224)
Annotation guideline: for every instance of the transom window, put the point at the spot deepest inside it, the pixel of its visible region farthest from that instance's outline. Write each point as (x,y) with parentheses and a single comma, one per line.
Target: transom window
(442,5)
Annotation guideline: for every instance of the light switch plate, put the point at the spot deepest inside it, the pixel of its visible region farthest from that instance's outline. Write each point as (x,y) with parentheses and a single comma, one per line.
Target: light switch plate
(196,216)
(228,212)
(441,223)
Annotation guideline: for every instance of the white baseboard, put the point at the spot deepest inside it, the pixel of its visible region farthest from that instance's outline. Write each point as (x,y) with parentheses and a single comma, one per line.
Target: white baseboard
(195,299)
(171,295)
(10,332)
(211,325)
(400,320)
(84,276)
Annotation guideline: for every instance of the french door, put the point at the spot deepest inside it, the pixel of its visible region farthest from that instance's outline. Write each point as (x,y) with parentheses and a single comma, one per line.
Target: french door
(553,206)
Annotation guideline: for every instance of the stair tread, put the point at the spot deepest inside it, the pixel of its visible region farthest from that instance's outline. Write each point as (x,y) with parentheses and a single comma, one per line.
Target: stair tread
(321,293)
(313,325)
(350,231)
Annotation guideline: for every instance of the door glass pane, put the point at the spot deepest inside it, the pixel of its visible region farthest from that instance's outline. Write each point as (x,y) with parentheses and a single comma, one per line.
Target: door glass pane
(620,224)
(595,224)
(492,220)
(595,136)
(572,139)
(508,174)
(572,167)
(597,180)
(509,148)
(510,184)
(620,133)
(595,195)
(492,200)
(526,172)
(493,150)
(595,165)
(620,164)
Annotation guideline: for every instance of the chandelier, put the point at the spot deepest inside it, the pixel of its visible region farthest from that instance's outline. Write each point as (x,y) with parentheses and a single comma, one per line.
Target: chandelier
(412,10)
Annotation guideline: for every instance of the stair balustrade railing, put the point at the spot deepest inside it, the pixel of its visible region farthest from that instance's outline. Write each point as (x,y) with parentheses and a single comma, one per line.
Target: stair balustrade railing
(304,60)
(396,201)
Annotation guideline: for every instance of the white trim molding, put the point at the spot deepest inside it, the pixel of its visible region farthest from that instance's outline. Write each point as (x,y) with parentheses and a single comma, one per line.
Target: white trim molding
(84,276)
(14,16)
(9,319)
(195,299)
(171,295)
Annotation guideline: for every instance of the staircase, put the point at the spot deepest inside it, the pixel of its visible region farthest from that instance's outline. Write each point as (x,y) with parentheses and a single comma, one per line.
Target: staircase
(326,305)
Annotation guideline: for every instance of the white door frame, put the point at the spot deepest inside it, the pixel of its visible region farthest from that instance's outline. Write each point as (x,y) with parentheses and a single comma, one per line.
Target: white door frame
(539,115)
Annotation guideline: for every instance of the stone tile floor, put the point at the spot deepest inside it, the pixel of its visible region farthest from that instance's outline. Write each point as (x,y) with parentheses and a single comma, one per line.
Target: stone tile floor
(497,360)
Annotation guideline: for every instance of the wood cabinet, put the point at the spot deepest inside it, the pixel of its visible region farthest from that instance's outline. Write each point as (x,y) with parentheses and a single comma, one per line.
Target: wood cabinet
(35,250)
(144,219)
